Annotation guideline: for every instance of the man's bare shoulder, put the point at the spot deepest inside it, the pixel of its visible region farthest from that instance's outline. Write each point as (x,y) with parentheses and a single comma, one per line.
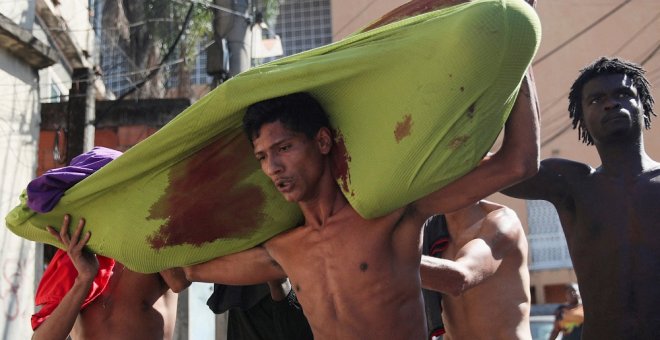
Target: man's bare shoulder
(566,167)
(502,222)
(287,239)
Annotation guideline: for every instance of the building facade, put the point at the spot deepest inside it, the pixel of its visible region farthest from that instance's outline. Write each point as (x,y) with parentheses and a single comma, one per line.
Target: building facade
(41,43)
(21,58)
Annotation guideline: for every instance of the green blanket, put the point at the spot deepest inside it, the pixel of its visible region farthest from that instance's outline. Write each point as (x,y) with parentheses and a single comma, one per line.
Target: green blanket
(414,104)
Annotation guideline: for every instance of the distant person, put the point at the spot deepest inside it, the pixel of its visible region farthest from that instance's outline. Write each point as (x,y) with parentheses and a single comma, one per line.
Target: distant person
(89,296)
(116,303)
(569,317)
(477,258)
(610,214)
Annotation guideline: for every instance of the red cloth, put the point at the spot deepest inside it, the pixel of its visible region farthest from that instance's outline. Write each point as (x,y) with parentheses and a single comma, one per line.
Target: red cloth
(58,280)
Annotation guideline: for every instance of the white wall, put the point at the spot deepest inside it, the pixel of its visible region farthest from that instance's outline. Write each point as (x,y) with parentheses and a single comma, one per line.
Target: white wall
(20,12)
(76,14)
(19,131)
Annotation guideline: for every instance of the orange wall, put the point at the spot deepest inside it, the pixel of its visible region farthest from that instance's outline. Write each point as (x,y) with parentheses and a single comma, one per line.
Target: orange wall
(120,138)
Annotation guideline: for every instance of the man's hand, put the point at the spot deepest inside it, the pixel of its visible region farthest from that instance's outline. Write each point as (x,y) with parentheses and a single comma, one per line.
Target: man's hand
(85,262)
(60,322)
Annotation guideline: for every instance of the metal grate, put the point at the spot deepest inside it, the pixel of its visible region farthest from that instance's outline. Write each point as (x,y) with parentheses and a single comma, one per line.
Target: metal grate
(304,24)
(547,244)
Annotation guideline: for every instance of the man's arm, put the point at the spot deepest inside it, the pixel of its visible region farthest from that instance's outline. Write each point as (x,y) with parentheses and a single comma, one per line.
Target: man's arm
(478,259)
(552,183)
(279,289)
(556,329)
(555,332)
(248,267)
(59,324)
(517,159)
(175,278)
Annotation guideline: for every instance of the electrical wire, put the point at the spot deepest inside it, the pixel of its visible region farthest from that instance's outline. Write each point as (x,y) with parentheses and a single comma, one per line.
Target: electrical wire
(580,33)
(155,71)
(214,6)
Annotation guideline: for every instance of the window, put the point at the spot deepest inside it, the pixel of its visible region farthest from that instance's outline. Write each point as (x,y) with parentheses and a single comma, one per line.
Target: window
(547,244)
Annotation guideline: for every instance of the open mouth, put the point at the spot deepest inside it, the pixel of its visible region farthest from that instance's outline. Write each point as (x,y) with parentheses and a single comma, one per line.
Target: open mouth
(283,184)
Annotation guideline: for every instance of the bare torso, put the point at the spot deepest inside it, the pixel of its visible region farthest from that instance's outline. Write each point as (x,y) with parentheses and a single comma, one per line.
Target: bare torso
(134,306)
(612,230)
(611,226)
(356,278)
(497,308)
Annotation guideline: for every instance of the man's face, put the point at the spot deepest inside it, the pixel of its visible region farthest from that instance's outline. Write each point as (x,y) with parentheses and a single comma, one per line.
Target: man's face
(572,295)
(611,107)
(291,160)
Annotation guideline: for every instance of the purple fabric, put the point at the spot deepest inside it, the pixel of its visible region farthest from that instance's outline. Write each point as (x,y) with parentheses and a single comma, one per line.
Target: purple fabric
(46,190)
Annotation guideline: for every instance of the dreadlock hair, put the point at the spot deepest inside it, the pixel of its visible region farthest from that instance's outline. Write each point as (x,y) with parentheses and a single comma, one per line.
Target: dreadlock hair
(605,66)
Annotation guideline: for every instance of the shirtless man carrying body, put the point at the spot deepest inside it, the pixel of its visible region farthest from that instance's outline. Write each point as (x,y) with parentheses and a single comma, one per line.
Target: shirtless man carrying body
(133,305)
(481,271)
(355,278)
(610,215)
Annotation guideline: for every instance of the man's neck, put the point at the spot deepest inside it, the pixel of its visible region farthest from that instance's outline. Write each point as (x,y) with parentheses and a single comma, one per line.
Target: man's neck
(328,201)
(624,159)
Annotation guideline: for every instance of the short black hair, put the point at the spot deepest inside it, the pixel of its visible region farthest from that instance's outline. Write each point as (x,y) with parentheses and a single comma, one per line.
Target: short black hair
(605,66)
(299,112)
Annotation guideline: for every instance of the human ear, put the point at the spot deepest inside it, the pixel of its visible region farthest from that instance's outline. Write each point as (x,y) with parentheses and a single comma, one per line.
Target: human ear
(324,140)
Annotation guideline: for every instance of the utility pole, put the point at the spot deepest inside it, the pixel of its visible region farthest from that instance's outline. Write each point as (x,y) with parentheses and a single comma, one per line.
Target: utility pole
(80,114)
(232,34)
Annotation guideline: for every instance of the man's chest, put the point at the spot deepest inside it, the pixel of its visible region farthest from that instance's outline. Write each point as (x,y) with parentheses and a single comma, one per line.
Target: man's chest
(613,217)
(600,202)
(362,255)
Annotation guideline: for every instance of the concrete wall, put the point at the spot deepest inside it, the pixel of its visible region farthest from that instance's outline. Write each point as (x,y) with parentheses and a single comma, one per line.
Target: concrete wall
(19,131)
(20,93)
(20,12)
(77,16)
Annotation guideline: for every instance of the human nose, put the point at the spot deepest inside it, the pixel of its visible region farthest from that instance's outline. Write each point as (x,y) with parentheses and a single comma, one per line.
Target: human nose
(612,103)
(272,166)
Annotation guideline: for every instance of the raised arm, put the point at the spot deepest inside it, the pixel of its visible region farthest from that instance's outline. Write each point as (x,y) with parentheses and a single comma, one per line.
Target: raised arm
(60,322)
(478,259)
(517,159)
(553,182)
(248,267)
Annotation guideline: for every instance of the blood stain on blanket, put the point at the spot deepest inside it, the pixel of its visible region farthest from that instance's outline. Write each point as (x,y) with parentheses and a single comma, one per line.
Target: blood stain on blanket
(340,160)
(470,110)
(403,128)
(458,142)
(203,202)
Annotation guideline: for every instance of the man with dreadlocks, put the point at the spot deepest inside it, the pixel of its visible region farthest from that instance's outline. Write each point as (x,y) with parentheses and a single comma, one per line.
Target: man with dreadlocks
(610,215)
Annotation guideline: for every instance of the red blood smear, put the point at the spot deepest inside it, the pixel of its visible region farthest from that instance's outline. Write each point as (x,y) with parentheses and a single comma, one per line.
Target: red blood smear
(203,202)
(340,160)
(403,128)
